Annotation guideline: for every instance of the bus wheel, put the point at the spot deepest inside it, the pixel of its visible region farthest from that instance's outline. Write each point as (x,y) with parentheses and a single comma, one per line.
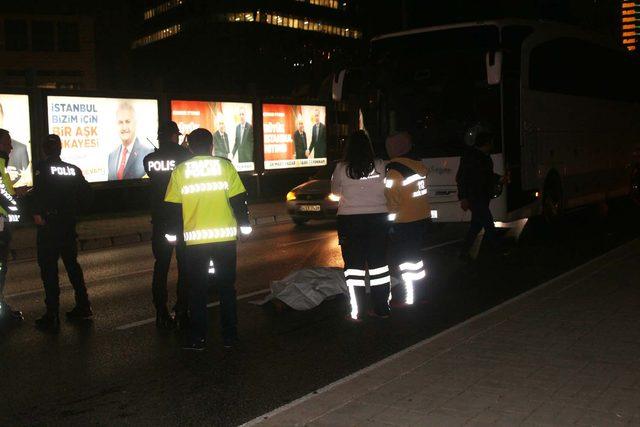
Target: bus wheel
(635,185)
(552,200)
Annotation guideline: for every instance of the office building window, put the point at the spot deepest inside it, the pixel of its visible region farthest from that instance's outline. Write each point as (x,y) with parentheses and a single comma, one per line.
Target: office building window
(162,8)
(292,22)
(157,36)
(15,35)
(333,4)
(42,36)
(68,37)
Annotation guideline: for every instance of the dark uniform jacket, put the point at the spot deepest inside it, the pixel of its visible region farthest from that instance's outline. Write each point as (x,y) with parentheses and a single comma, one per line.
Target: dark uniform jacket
(475,177)
(159,165)
(60,192)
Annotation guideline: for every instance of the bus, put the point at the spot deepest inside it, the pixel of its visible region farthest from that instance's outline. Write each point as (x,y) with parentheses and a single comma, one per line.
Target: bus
(562,104)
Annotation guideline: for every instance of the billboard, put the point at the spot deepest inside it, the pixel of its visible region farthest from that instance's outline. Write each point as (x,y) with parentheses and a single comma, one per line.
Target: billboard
(229,122)
(14,117)
(294,136)
(107,138)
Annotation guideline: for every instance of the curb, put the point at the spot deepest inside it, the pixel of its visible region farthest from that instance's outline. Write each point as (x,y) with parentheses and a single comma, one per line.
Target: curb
(102,242)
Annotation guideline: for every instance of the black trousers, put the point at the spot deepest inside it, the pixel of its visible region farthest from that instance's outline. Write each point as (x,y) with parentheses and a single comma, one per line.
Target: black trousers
(201,260)
(5,241)
(162,252)
(363,240)
(406,241)
(481,217)
(58,240)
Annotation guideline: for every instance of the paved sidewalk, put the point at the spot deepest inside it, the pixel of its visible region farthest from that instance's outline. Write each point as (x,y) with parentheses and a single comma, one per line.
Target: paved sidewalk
(564,353)
(106,232)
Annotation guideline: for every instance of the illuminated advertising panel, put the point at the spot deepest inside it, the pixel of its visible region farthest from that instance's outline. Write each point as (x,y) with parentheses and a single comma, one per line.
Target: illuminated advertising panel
(14,117)
(630,11)
(295,136)
(107,138)
(229,122)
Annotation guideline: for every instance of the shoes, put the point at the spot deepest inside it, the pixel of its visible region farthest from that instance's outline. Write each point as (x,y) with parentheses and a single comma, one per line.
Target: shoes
(229,342)
(182,321)
(164,320)
(378,316)
(195,345)
(7,313)
(80,313)
(49,322)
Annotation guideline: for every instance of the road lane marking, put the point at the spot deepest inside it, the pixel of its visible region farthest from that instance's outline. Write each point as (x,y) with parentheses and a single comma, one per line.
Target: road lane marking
(68,286)
(210,305)
(450,242)
(397,355)
(305,241)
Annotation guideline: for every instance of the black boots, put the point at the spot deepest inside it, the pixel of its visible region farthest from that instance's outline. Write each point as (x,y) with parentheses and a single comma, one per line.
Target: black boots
(164,320)
(80,313)
(50,322)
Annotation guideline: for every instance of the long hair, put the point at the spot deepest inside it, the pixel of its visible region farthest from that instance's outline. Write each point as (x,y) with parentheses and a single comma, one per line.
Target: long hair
(358,155)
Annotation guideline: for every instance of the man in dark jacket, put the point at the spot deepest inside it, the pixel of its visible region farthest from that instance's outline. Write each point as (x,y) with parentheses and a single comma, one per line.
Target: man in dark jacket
(477,185)
(167,225)
(60,192)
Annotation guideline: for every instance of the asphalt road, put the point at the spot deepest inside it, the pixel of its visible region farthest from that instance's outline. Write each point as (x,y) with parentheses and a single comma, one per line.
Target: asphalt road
(119,369)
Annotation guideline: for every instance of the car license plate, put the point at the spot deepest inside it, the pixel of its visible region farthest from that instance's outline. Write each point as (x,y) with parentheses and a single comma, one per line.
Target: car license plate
(310,208)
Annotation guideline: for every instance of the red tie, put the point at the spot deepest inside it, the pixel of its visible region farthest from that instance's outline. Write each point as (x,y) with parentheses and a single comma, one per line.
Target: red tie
(123,162)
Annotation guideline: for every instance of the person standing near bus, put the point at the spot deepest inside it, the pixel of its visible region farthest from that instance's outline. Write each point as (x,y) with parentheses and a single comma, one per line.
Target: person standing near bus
(166,219)
(406,194)
(214,203)
(362,225)
(476,187)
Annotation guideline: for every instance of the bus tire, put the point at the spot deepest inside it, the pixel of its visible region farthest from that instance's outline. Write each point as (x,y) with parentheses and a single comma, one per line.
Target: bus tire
(552,203)
(634,192)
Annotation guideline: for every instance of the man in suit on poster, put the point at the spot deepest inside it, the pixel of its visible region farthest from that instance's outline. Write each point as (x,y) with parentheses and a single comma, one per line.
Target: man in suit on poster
(125,162)
(318,138)
(300,141)
(221,141)
(244,140)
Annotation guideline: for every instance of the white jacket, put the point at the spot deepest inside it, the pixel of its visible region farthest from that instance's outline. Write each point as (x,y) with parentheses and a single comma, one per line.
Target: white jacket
(360,196)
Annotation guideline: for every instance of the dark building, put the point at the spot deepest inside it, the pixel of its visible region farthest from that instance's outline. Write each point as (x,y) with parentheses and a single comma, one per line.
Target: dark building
(53,48)
(250,47)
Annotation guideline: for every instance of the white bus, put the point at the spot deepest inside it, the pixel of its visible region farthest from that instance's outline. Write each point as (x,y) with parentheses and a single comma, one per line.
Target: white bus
(562,104)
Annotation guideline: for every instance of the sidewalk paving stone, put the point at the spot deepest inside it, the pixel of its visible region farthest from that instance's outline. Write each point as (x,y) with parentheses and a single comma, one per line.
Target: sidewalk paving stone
(565,353)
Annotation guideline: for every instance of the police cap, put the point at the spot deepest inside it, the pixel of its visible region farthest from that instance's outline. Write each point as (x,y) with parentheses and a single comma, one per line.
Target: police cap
(167,129)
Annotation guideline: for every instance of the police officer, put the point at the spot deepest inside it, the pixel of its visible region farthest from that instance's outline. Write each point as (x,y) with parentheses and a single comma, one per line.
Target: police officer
(167,225)
(214,204)
(8,213)
(477,185)
(60,192)
(406,193)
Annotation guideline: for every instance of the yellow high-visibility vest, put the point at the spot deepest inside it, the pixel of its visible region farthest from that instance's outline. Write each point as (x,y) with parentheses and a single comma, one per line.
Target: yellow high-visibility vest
(204,185)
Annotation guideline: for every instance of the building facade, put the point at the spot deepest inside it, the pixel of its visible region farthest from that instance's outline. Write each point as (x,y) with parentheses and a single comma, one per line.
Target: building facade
(251,47)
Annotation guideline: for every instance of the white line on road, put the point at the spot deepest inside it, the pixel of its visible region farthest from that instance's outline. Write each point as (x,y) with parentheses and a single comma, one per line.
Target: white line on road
(211,304)
(68,286)
(305,241)
(450,242)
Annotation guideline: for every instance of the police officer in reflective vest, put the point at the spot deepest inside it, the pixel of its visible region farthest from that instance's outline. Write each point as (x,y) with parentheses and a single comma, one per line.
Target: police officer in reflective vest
(214,205)
(406,193)
(8,213)
(167,225)
(60,192)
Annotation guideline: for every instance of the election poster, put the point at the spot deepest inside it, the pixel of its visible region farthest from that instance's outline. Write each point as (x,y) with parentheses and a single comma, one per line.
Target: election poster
(295,136)
(107,138)
(14,117)
(231,124)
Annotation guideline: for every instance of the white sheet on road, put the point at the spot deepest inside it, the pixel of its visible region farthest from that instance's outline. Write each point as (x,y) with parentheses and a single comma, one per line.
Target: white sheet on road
(308,288)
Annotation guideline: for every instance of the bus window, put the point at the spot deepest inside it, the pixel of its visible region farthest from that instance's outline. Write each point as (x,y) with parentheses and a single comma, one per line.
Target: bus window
(435,86)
